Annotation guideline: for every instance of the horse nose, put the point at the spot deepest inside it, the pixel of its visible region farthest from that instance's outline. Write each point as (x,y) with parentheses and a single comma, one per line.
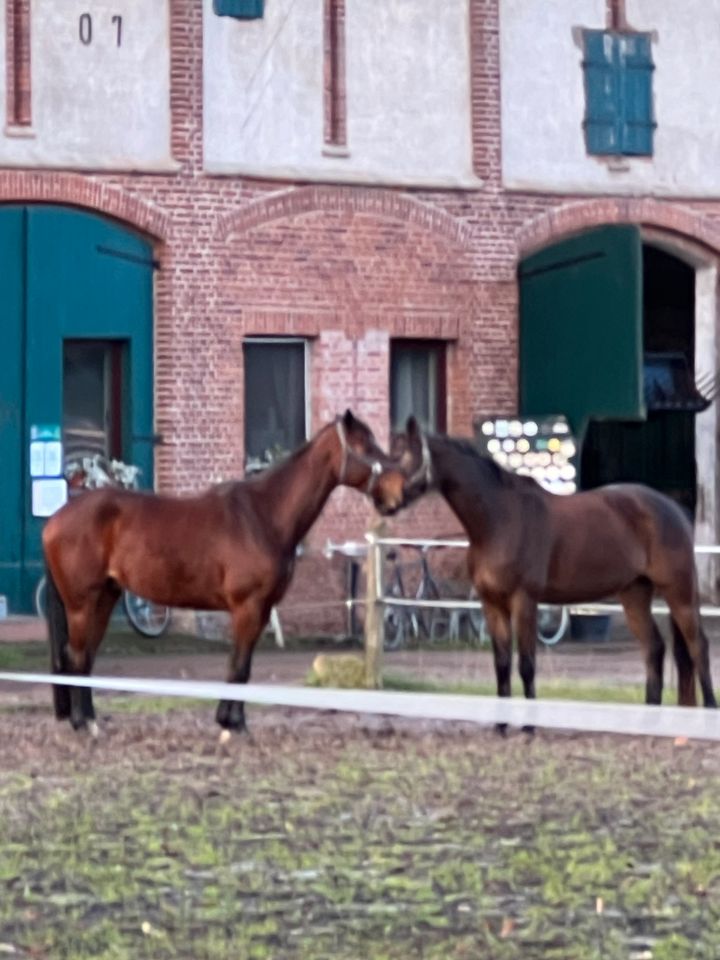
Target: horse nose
(389,505)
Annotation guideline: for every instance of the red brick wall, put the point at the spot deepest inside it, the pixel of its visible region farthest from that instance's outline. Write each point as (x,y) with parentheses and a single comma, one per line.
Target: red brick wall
(349,267)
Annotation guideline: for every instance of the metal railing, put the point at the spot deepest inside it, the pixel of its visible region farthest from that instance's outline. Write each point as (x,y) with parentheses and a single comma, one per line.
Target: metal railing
(379,543)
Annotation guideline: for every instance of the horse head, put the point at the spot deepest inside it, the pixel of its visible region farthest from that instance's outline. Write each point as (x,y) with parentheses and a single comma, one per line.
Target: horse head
(409,474)
(362,461)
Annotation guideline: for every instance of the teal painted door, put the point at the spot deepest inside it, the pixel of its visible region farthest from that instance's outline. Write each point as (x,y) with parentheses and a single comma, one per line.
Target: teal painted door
(12,460)
(79,277)
(581,348)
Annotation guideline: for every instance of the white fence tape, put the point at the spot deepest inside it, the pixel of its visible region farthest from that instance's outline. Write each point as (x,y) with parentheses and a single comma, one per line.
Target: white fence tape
(555,714)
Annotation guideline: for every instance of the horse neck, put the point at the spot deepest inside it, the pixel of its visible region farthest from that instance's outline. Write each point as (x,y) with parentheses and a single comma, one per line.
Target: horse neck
(469,486)
(297,490)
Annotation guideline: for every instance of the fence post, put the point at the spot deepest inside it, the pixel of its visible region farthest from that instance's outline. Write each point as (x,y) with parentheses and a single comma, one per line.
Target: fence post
(374,610)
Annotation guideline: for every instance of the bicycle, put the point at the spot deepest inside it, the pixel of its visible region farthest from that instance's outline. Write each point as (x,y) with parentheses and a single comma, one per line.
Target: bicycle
(90,473)
(442,624)
(552,624)
(400,623)
(405,623)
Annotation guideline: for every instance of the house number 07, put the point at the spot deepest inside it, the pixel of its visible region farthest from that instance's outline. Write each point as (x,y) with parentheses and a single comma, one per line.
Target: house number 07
(85,29)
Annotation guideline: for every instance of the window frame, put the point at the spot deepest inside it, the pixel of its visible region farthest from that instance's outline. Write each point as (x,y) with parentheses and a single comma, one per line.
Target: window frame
(438,350)
(256,465)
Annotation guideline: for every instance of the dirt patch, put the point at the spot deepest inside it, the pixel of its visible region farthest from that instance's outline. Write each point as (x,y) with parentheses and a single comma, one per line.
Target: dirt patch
(332,835)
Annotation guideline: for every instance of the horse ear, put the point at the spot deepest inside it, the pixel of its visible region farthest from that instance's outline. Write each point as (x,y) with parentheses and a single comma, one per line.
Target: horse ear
(348,419)
(412,427)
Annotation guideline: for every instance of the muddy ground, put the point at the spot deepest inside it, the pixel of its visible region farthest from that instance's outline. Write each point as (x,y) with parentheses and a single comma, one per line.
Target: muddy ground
(348,837)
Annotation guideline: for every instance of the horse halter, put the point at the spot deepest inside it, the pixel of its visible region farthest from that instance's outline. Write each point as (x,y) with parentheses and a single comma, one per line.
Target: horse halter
(375,465)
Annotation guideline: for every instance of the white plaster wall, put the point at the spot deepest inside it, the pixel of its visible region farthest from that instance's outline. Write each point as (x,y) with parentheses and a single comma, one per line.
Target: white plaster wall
(408,93)
(543,100)
(706,429)
(100,105)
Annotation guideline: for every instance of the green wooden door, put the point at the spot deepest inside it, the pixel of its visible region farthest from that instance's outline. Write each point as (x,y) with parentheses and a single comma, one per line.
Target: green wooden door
(70,276)
(581,328)
(12,460)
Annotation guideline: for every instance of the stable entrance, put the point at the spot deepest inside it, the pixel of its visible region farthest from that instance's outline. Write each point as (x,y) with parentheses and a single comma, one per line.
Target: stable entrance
(608,338)
(77,358)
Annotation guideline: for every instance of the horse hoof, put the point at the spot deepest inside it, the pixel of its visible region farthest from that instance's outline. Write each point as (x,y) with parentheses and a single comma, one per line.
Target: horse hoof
(225,737)
(529,732)
(93,729)
(501,729)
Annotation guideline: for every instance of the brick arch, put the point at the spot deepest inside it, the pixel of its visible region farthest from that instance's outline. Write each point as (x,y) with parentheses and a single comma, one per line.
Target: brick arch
(78,191)
(572,218)
(320,198)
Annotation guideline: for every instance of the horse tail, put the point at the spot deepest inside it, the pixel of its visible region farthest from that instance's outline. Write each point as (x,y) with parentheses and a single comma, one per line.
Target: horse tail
(59,639)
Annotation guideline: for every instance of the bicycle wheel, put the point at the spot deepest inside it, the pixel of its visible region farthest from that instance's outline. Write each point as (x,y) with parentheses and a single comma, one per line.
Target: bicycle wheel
(40,597)
(147,618)
(395,628)
(552,624)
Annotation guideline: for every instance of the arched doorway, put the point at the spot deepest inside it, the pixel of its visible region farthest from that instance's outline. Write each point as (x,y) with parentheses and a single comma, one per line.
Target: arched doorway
(659,450)
(607,337)
(77,362)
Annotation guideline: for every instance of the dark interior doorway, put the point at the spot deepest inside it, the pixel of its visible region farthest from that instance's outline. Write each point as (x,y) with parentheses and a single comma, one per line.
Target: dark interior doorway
(659,451)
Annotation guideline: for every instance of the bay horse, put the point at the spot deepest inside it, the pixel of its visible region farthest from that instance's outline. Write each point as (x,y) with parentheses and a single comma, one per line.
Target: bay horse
(530,546)
(229,548)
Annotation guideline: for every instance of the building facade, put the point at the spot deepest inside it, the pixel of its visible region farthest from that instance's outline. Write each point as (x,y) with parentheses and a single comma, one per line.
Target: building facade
(225,221)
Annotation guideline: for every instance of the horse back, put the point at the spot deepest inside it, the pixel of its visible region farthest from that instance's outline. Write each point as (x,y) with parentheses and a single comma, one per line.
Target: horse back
(665,519)
(212,543)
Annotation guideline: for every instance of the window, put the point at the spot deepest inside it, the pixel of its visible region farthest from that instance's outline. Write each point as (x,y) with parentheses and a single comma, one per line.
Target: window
(417,383)
(618,93)
(241,9)
(275,399)
(92,398)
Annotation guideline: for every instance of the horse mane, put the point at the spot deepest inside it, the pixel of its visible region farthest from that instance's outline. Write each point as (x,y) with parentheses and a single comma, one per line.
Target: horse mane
(494,471)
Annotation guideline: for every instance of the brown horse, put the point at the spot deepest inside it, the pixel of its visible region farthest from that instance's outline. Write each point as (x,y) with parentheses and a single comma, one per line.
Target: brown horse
(230,548)
(528,546)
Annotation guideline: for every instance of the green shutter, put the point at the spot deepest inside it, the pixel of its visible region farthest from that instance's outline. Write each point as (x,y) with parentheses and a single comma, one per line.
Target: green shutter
(618,72)
(637,123)
(602,94)
(242,9)
(581,328)
(13,445)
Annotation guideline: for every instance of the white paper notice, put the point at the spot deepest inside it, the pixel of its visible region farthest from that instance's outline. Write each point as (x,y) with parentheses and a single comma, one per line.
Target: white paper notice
(48,495)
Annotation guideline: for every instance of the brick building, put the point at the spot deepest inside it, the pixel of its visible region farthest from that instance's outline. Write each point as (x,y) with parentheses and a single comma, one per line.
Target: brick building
(228,220)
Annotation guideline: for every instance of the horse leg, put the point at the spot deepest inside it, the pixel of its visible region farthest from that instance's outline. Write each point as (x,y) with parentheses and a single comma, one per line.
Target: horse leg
(86,628)
(687,692)
(706,685)
(498,623)
(637,601)
(248,620)
(524,626)
(58,639)
(691,650)
(523,612)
